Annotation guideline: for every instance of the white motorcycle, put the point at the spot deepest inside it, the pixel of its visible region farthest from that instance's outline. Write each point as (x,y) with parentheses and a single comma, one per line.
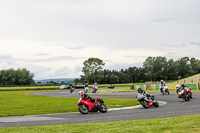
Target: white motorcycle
(95,88)
(164,90)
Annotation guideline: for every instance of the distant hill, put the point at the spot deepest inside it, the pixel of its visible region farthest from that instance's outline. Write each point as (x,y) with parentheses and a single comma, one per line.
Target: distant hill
(58,80)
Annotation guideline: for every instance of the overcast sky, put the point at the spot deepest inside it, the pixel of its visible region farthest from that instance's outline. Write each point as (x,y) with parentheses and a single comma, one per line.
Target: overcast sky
(52,38)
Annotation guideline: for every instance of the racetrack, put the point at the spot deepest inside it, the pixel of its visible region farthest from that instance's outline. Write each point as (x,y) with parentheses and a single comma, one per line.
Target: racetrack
(174,107)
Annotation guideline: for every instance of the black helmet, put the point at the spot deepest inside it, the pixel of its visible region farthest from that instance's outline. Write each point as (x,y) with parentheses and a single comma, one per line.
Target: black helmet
(182,85)
(139,90)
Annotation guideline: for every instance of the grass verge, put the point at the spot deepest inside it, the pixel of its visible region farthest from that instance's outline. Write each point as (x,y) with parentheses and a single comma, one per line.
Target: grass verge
(178,124)
(129,90)
(17,103)
(29,88)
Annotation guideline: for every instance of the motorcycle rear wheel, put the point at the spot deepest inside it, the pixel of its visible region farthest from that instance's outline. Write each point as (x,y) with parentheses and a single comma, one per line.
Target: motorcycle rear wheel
(144,104)
(102,108)
(83,109)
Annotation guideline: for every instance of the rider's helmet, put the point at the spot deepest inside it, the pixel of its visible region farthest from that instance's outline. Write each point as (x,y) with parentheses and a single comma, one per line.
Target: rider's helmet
(161,81)
(81,93)
(182,85)
(177,86)
(139,90)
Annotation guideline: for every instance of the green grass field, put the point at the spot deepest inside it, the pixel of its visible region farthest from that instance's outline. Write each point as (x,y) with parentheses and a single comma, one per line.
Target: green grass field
(120,90)
(29,88)
(180,124)
(17,103)
(130,90)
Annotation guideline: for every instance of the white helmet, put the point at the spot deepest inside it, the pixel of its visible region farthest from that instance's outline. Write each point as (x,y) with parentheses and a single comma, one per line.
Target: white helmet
(81,93)
(177,86)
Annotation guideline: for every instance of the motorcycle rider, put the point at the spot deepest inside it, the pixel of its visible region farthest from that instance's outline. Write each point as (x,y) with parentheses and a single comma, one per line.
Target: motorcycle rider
(95,86)
(177,88)
(139,90)
(86,88)
(71,85)
(161,85)
(85,96)
(184,86)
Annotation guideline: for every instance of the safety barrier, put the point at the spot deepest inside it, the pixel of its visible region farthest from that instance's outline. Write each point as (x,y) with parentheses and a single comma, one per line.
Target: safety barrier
(193,86)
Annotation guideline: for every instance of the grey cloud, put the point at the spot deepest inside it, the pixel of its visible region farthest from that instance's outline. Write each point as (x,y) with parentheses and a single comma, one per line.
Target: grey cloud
(58,58)
(119,66)
(168,45)
(77,69)
(6,57)
(163,20)
(172,53)
(107,60)
(176,45)
(60,73)
(195,43)
(75,48)
(71,47)
(128,56)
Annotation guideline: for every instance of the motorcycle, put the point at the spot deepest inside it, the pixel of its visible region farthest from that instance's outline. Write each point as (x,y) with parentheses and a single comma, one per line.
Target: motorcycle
(147,101)
(86,89)
(71,89)
(111,86)
(185,93)
(165,90)
(95,89)
(85,105)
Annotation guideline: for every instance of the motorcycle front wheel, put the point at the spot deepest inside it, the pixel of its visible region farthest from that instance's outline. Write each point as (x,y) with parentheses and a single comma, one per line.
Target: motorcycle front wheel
(168,92)
(102,108)
(156,104)
(144,104)
(83,109)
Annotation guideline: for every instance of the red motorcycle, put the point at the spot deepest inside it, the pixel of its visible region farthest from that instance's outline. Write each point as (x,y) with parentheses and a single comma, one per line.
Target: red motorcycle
(185,93)
(85,105)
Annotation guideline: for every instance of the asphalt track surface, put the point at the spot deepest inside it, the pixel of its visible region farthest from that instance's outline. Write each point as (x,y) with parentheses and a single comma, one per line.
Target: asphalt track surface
(175,107)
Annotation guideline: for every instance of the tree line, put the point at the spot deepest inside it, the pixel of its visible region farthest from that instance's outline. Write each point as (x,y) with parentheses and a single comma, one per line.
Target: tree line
(153,69)
(16,77)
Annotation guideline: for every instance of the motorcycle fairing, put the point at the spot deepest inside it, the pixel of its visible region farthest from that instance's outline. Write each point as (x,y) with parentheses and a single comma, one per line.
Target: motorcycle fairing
(86,102)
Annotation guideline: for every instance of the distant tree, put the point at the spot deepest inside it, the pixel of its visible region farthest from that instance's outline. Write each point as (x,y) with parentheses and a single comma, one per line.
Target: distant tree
(52,82)
(183,67)
(148,67)
(114,79)
(16,77)
(93,70)
(194,66)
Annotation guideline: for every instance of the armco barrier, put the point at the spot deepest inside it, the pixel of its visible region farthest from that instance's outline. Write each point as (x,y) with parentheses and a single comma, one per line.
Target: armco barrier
(153,87)
(157,87)
(193,86)
(134,87)
(171,86)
